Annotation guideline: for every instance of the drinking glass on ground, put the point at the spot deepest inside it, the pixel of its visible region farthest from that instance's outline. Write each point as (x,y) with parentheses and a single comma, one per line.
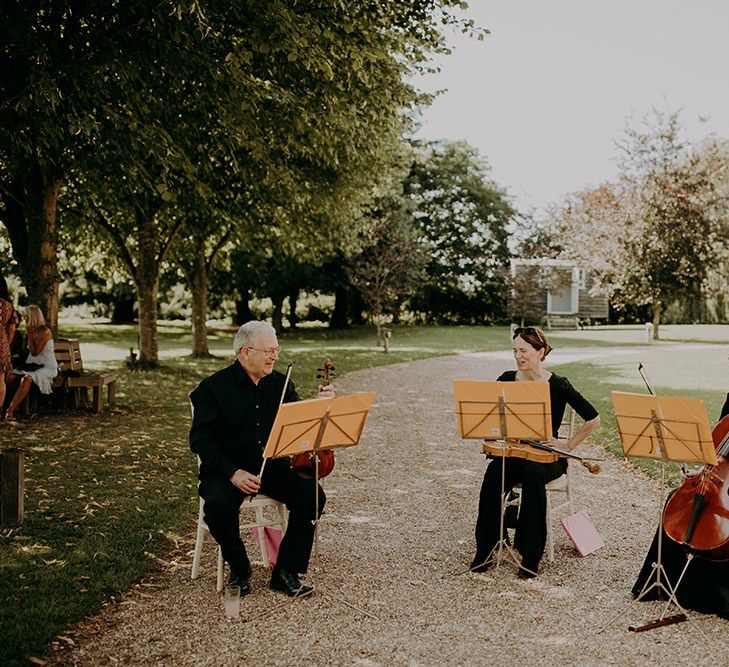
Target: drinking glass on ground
(231,601)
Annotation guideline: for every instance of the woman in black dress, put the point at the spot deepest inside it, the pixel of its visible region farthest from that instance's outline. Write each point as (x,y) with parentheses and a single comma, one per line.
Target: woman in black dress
(705,585)
(530,349)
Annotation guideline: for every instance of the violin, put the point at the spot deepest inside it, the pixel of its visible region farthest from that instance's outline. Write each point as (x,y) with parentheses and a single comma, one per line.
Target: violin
(304,464)
(697,514)
(531,450)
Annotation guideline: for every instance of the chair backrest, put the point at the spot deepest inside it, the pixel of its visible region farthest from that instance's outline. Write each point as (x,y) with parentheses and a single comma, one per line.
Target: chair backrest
(567,427)
(68,354)
(566,430)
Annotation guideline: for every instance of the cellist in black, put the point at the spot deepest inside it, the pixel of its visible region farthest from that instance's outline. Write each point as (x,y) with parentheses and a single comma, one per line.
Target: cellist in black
(705,585)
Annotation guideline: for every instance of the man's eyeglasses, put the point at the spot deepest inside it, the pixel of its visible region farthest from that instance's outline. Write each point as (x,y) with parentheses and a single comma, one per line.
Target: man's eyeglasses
(529,331)
(269,352)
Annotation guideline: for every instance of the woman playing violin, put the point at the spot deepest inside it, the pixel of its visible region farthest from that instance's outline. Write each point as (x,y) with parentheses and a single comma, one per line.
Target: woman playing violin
(530,349)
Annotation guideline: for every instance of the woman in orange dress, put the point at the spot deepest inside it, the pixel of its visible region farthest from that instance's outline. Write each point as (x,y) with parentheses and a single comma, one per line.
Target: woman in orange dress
(7,331)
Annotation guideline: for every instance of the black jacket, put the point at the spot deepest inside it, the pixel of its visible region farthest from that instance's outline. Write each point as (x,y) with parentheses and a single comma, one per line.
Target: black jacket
(232,418)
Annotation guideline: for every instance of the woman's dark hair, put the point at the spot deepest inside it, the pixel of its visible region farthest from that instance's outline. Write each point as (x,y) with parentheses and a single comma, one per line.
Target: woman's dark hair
(4,292)
(535,337)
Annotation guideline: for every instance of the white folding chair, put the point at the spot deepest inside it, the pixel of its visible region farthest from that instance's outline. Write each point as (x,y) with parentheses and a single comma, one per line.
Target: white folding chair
(257,504)
(562,484)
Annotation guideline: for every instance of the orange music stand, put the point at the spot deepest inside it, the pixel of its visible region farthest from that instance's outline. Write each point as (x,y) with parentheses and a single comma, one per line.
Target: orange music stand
(490,410)
(319,423)
(503,411)
(663,428)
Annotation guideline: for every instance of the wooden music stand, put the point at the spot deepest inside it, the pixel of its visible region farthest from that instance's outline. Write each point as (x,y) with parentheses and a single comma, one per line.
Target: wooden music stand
(503,411)
(663,428)
(320,423)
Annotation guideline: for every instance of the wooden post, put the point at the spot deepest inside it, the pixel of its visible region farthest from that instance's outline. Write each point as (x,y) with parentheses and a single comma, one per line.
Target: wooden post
(12,487)
(386,333)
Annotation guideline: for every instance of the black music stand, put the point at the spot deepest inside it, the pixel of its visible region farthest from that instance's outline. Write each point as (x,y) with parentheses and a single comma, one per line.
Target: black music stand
(663,428)
(503,411)
(320,423)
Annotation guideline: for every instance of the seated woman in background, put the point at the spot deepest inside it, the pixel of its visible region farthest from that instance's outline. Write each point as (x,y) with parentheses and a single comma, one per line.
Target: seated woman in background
(40,366)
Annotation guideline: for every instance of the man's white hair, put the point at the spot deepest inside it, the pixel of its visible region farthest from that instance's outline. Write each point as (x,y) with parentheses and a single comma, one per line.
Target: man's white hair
(246,334)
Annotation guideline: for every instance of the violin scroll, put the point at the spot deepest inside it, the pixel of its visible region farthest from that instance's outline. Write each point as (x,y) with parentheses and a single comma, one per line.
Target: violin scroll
(594,468)
(326,372)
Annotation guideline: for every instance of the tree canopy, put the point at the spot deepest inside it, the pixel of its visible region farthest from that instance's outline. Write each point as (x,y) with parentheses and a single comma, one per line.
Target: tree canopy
(652,236)
(144,116)
(462,220)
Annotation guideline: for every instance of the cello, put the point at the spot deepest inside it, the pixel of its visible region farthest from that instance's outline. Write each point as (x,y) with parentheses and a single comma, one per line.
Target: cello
(303,464)
(696,516)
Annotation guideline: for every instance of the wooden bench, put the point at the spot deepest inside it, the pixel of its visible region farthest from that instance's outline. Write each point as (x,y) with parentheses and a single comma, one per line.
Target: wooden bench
(72,376)
(562,322)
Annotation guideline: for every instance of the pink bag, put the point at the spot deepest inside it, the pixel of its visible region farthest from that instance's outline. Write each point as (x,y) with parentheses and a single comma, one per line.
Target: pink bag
(582,532)
(273,538)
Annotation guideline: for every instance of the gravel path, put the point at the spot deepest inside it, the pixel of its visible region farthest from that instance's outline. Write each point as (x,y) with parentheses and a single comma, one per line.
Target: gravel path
(396,538)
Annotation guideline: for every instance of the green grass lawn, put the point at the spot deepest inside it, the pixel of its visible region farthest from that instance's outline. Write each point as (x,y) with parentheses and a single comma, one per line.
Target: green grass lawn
(596,382)
(108,496)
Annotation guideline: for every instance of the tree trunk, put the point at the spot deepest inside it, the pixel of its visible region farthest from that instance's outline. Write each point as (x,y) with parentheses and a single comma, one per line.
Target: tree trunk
(277,315)
(199,285)
(122,310)
(198,280)
(30,217)
(47,288)
(356,308)
(657,308)
(339,319)
(147,291)
(293,299)
(243,311)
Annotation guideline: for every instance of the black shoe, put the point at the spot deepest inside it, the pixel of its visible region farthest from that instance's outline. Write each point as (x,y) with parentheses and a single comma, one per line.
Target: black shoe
(289,583)
(527,570)
(243,584)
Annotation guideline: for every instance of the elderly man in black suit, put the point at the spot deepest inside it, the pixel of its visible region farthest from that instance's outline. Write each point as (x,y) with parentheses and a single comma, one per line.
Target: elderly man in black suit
(233,413)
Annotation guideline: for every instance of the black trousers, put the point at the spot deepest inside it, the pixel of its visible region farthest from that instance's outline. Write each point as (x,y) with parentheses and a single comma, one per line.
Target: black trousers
(222,510)
(531,530)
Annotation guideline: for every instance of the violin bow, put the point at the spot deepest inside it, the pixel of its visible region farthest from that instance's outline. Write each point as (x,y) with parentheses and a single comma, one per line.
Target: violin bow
(594,468)
(280,403)
(645,379)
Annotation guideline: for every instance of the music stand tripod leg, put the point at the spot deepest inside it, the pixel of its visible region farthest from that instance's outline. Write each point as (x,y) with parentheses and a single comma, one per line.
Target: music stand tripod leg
(684,615)
(315,523)
(689,558)
(659,569)
(658,578)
